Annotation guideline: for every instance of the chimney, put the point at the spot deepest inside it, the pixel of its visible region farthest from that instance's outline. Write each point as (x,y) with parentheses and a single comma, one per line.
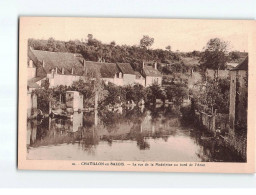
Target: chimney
(62,70)
(30,64)
(155,65)
(56,70)
(72,70)
(43,64)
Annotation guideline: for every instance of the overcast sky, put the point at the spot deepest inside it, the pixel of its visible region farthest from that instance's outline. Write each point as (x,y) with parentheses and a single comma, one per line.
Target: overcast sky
(183,35)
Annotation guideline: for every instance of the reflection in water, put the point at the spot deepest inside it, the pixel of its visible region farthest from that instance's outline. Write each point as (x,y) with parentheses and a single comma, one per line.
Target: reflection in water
(135,134)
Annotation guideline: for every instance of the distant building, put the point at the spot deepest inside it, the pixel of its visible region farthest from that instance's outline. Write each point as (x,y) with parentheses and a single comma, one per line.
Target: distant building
(74,99)
(127,73)
(58,67)
(238,94)
(61,68)
(152,75)
(105,71)
(31,97)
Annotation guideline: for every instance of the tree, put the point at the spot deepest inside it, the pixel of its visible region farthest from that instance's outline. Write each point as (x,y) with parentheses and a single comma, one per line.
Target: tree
(114,96)
(176,92)
(214,95)
(168,48)
(90,36)
(155,93)
(234,55)
(214,55)
(51,44)
(92,41)
(146,42)
(112,43)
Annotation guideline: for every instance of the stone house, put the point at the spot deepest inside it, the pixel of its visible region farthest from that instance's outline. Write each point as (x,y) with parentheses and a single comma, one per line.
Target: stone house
(151,74)
(58,67)
(238,94)
(127,73)
(61,68)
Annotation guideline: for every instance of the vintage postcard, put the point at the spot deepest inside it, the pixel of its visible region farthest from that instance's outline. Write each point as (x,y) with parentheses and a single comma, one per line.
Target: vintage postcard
(134,94)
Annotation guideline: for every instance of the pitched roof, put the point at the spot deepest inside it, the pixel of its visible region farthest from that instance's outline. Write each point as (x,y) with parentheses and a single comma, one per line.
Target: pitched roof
(125,68)
(138,75)
(108,70)
(105,70)
(150,71)
(59,60)
(40,72)
(32,82)
(243,65)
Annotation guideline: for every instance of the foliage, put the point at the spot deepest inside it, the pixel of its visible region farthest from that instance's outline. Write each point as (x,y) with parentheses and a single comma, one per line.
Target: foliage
(94,50)
(214,95)
(168,48)
(155,92)
(146,42)
(115,94)
(215,55)
(176,92)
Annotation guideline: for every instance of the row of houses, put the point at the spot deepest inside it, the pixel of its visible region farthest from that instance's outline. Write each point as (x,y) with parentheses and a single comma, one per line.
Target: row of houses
(61,68)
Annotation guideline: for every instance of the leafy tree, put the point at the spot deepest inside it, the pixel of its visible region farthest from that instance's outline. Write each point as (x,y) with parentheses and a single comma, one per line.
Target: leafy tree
(156,92)
(51,44)
(146,42)
(112,43)
(115,94)
(168,48)
(176,92)
(214,95)
(215,55)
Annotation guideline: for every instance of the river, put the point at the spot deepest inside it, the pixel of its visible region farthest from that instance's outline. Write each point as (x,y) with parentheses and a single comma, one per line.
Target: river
(135,134)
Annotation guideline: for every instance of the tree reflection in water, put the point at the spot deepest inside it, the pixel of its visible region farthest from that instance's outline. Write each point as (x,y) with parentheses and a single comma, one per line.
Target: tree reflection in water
(151,129)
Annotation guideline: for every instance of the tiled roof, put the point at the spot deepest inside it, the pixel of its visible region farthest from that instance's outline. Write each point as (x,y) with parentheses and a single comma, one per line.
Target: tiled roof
(105,70)
(242,66)
(59,60)
(125,68)
(32,82)
(138,75)
(150,71)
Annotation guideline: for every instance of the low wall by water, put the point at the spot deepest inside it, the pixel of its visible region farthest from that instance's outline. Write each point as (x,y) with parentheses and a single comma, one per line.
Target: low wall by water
(232,140)
(207,121)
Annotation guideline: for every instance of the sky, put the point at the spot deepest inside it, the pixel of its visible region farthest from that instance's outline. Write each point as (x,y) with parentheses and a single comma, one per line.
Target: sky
(182,35)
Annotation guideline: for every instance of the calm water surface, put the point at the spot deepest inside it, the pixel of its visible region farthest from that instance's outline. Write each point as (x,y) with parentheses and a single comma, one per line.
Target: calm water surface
(136,134)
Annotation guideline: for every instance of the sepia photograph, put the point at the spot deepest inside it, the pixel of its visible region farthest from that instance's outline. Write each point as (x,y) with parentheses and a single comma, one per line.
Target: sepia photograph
(96,90)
